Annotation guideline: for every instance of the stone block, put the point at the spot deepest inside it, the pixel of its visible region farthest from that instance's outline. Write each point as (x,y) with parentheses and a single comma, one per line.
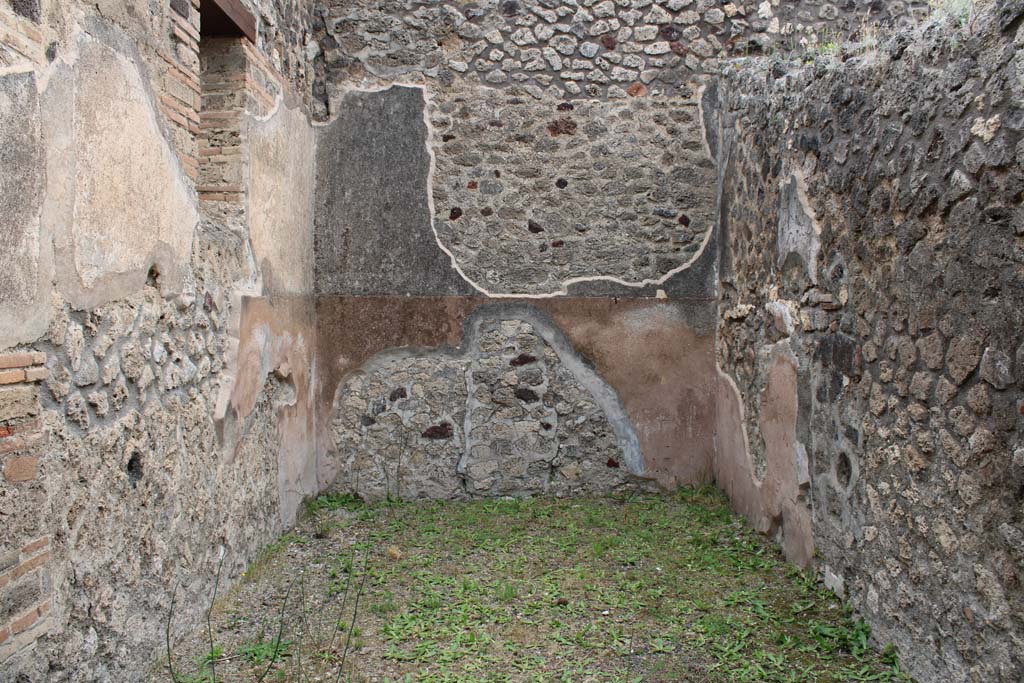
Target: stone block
(18,403)
(997,368)
(963,356)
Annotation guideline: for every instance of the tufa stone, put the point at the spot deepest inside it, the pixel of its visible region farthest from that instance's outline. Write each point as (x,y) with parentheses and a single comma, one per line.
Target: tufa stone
(962,357)
(997,368)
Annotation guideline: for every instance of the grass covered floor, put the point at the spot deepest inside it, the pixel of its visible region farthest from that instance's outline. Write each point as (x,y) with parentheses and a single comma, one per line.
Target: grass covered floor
(648,588)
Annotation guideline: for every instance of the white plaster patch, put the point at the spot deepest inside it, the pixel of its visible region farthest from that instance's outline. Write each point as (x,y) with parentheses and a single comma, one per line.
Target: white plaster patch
(799,231)
(117,198)
(130,199)
(281,181)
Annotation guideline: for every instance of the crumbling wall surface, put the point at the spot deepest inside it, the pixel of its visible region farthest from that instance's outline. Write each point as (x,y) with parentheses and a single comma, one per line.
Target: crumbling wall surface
(519,197)
(645,365)
(24,261)
(565,137)
(567,50)
(611,189)
(116,198)
(152,417)
(517,412)
(388,277)
(872,230)
(166,36)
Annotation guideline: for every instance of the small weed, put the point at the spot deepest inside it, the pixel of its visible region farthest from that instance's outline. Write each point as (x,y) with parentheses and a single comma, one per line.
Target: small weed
(332,502)
(212,656)
(385,605)
(266,651)
(506,591)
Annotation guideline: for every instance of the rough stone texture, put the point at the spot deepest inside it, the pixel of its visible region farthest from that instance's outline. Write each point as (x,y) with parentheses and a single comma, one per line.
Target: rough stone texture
(372,220)
(902,316)
(656,359)
(509,415)
(26,8)
(176,421)
(569,49)
(147,444)
(870,226)
(530,195)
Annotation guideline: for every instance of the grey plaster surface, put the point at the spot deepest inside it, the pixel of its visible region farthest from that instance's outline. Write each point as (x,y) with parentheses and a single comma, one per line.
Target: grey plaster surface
(372,222)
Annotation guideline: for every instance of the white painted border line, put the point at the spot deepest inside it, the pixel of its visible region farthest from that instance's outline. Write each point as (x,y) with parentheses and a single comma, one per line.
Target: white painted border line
(564,290)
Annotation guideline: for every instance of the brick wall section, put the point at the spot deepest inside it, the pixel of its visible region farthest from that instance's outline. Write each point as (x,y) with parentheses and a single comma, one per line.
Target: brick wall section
(237,79)
(180,91)
(25,585)
(223,167)
(20,38)
(262,82)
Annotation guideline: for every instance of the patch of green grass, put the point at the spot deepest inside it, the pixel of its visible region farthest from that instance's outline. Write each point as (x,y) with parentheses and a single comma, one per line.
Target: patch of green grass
(266,651)
(212,656)
(639,588)
(333,501)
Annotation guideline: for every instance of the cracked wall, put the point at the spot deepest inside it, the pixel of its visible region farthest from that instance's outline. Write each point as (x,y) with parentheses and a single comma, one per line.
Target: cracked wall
(385,270)
(498,249)
(566,137)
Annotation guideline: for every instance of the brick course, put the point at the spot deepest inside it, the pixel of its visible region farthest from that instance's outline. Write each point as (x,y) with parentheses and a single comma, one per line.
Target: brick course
(26,598)
(20,469)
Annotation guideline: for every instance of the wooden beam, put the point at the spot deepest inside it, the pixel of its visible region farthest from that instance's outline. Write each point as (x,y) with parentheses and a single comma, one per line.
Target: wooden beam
(226,18)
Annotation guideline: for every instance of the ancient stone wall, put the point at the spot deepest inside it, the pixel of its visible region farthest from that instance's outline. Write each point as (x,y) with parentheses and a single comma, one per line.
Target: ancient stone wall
(577,49)
(514,151)
(396,297)
(156,410)
(503,263)
(526,151)
(516,412)
(531,195)
(565,137)
(870,330)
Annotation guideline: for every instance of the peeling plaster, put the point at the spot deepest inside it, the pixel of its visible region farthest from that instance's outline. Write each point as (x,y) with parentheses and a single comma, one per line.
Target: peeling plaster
(799,230)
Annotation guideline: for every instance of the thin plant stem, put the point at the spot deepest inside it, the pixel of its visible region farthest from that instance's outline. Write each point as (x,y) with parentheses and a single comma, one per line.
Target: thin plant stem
(305,625)
(355,614)
(344,599)
(209,613)
(280,632)
(167,633)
